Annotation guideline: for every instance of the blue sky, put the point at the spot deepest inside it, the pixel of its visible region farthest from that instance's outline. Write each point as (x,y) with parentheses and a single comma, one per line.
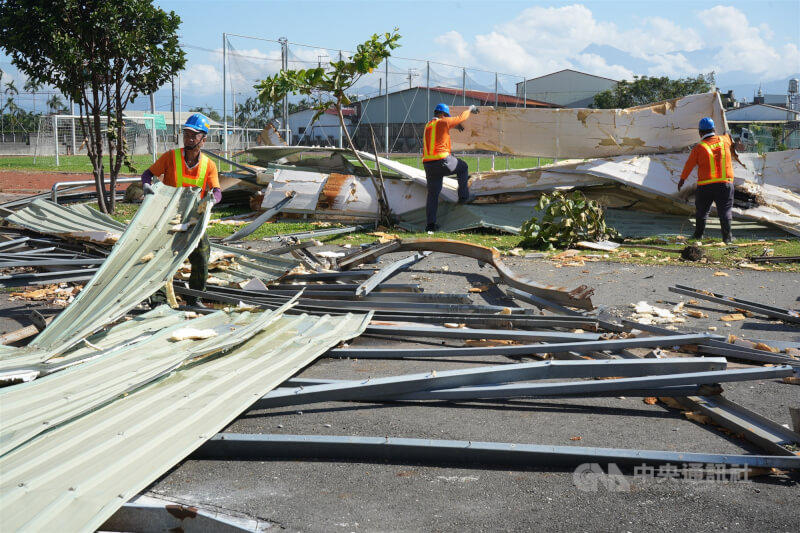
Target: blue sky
(745,43)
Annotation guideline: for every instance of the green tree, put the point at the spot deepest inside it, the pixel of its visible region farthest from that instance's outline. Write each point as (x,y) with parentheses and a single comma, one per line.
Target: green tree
(55,104)
(103,54)
(328,88)
(31,86)
(208,111)
(645,90)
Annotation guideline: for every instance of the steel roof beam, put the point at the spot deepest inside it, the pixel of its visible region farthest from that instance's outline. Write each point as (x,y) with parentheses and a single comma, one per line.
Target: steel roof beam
(395,386)
(352,448)
(528,349)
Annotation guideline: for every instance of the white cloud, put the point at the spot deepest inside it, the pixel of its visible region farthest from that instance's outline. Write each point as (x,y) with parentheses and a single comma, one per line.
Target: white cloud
(597,65)
(540,40)
(454,42)
(202,79)
(744,47)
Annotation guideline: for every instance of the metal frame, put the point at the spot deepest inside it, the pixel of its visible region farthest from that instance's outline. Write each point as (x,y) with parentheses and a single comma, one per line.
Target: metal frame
(729,301)
(352,448)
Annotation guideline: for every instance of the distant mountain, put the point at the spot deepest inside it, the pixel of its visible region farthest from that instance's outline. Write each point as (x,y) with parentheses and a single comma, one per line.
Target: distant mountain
(744,86)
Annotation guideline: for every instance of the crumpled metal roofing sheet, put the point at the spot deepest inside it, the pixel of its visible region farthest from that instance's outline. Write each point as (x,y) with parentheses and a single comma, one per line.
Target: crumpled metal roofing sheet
(118,337)
(145,257)
(573,132)
(77,221)
(75,476)
(31,408)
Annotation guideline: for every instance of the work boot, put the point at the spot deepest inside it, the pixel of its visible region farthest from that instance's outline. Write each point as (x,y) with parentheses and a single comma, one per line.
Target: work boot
(699,229)
(725,225)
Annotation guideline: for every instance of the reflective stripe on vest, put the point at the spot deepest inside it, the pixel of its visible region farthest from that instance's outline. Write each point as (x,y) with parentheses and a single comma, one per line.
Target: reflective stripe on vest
(185,181)
(429,142)
(714,176)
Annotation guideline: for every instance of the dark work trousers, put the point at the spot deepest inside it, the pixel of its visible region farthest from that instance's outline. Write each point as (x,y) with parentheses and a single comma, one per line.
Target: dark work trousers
(197,279)
(435,171)
(721,195)
(199,261)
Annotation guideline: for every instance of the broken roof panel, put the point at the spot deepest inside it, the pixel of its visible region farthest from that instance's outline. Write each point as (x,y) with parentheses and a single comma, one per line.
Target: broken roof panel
(75,476)
(144,259)
(78,221)
(574,132)
(31,408)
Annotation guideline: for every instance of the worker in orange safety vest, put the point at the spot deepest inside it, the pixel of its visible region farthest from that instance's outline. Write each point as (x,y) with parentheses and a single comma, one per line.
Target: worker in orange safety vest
(189,167)
(713,157)
(439,162)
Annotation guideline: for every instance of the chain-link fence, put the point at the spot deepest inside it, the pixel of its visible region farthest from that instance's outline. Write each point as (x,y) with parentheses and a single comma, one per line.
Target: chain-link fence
(393,102)
(767,138)
(61,136)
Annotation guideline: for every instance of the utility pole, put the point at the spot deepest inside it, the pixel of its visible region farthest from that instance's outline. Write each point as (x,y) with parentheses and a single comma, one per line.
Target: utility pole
(285,66)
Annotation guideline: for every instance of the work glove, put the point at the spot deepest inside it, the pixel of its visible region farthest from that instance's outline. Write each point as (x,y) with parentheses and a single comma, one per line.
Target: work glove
(147,189)
(680,184)
(216,195)
(459,127)
(474,109)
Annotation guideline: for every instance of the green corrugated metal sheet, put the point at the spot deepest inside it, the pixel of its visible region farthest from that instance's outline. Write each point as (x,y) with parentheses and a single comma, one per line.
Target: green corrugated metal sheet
(44,216)
(144,258)
(31,408)
(75,476)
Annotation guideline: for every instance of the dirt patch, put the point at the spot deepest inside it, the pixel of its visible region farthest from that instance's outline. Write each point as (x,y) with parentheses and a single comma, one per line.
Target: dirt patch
(29,182)
(14,181)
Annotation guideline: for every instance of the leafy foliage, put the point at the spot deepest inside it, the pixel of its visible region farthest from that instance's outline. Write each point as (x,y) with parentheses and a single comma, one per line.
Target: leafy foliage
(329,86)
(103,54)
(645,90)
(566,220)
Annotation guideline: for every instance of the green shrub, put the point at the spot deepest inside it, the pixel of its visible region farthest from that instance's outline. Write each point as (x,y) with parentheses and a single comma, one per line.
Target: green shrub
(566,220)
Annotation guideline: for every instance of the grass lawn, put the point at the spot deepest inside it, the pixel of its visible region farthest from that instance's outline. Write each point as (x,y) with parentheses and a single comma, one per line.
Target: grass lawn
(81,163)
(67,163)
(634,251)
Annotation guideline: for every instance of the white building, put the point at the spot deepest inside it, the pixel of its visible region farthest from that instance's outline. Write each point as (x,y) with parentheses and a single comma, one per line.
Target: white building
(325,131)
(568,88)
(763,113)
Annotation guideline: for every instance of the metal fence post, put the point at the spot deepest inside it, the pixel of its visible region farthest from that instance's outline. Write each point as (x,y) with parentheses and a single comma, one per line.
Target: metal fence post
(55,136)
(153,137)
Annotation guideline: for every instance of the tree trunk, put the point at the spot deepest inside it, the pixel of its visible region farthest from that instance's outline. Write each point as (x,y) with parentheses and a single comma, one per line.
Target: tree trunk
(383,202)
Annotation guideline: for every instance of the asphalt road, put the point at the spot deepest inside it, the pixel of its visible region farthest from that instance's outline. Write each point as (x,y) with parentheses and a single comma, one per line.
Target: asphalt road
(325,496)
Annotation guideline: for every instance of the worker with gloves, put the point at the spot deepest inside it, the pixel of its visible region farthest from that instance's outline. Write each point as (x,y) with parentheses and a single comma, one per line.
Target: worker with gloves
(439,162)
(713,157)
(189,167)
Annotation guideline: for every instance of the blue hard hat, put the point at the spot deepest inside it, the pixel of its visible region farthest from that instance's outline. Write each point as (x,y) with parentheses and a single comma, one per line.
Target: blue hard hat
(443,108)
(197,122)
(706,124)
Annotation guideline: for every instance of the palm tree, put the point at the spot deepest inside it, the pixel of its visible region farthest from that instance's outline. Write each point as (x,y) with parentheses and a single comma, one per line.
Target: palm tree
(31,87)
(55,104)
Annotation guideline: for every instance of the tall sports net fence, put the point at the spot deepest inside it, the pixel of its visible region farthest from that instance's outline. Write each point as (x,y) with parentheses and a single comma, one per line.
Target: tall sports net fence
(60,139)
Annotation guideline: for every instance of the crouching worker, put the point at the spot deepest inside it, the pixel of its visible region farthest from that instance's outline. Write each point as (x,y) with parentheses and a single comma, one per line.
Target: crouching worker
(189,167)
(439,162)
(713,158)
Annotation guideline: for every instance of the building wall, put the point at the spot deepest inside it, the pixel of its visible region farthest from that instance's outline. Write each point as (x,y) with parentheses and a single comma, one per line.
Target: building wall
(759,113)
(320,132)
(568,88)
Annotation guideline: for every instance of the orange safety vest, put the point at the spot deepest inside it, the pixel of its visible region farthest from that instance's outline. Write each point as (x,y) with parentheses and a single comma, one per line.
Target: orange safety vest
(718,166)
(186,181)
(433,129)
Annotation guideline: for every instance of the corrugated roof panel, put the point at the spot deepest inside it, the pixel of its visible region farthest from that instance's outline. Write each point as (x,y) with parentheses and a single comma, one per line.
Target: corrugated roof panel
(31,408)
(145,258)
(77,221)
(73,478)
(115,338)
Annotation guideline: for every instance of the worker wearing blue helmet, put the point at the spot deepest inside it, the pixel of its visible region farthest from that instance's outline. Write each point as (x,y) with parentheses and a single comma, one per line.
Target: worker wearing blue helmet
(189,167)
(439,162)
(713,157)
